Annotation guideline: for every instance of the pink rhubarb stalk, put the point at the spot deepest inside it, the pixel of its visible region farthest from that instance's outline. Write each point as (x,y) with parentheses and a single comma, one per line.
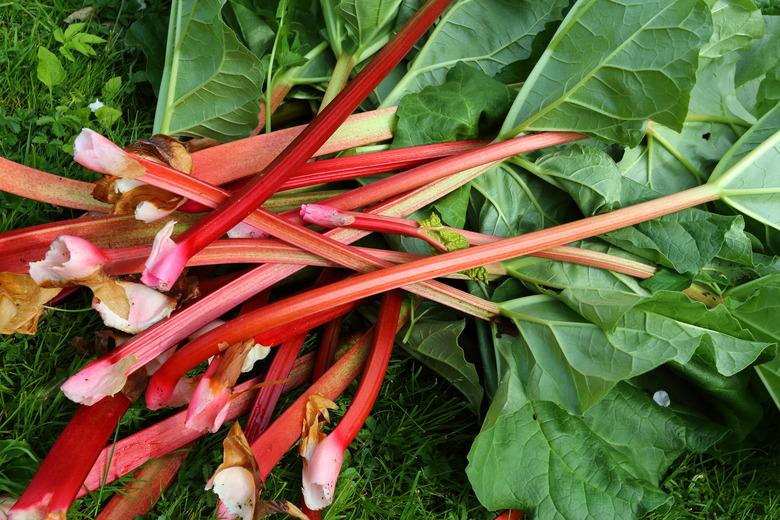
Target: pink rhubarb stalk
(328,216)
(251,155)
(294,307)
(124,456)
(163,383)
(268,395)
(283,433)
(54,487)
(165,270)
(105,376)
(149,483)
(45,187)
(322,466)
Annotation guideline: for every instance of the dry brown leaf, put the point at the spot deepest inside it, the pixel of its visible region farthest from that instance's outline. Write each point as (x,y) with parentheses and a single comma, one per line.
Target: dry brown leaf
(21,303)
(315,418)
(164,150)
(108,291)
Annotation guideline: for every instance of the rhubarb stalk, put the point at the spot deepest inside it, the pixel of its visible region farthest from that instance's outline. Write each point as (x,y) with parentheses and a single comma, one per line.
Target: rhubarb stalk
(321,469)
(59,477)
(163,272)
(289,309)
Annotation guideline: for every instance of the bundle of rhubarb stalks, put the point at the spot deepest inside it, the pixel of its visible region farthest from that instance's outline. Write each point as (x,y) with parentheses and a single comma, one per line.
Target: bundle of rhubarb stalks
(602,325)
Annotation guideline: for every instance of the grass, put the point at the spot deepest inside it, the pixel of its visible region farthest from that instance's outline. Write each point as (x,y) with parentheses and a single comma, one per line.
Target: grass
(407,463)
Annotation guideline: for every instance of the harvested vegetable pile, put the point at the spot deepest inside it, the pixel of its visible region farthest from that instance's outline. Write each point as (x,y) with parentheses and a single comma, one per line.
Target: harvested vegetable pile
(568,210)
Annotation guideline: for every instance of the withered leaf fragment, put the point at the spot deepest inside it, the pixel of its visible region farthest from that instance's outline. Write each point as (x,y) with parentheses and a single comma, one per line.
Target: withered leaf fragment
(21,303)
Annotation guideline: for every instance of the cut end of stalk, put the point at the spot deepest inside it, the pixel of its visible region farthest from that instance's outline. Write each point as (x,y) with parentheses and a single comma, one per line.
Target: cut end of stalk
(321,472)
(69,258)
(97,380)
(165,262)
(93,151)
(326,216)
(235,488)
(147,307)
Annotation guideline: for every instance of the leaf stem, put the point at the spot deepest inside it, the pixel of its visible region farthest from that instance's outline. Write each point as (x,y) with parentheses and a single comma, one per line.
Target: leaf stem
(339,78)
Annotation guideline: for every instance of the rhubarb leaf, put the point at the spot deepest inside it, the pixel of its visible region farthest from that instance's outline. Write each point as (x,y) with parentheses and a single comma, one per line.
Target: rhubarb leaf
(510,202)
(756,305)
(488,34)
(148,35)
(735,23)
(768,95)
(467,105)
(212,83)
(368,23)
(586,173)
(685,241)
(599,295)
(575,363)
(607,78)
(607,462)
(746,176)
(435,344)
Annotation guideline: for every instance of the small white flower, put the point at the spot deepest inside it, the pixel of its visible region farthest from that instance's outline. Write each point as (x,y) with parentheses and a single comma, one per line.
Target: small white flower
(661,398)
(97,105)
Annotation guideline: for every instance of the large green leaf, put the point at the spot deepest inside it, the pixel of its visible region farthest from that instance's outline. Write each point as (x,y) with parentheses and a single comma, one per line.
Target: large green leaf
(586,173)
(510,202)
(573,362)
(435,344)
(685,241)
(757,305)
(368,22)
(488,34)
(747,176)
(670,162)
(467,104)
(212,83)
(603,465)
(599,295)
(606,77)
(768,95)
(735,23)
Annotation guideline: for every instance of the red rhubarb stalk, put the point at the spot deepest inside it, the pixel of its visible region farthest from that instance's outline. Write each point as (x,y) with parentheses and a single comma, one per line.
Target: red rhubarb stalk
(321,469)
(163,383)
(170,434)
(268,395)
(283,433)
(326,352)
(289,309)
(328,216)
(54,487)
(105,376)
(165,269)
(149,483)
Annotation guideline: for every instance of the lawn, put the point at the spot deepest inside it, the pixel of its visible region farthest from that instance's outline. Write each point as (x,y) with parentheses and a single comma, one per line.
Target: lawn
(409,460)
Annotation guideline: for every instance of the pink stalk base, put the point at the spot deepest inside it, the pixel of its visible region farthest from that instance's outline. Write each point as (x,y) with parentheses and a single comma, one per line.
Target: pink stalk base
(254,193)
(58,479)
(170,434)
(321,472)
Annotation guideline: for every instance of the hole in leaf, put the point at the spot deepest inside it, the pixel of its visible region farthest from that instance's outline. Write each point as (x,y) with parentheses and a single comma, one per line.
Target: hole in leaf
(706,136)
